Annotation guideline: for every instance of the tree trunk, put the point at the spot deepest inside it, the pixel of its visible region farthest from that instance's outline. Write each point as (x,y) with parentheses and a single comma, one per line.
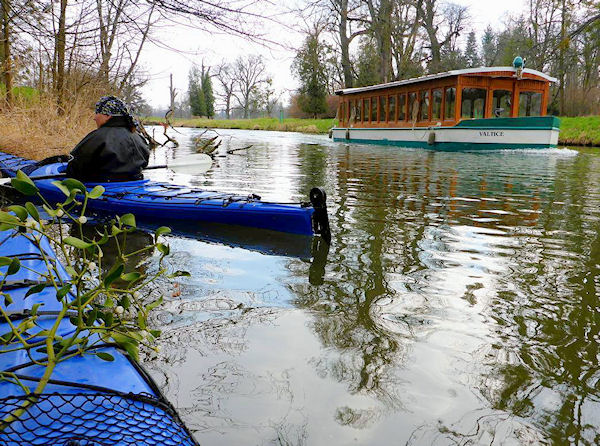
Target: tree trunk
(6,50)
(61,44)
(434,44)
(345,44)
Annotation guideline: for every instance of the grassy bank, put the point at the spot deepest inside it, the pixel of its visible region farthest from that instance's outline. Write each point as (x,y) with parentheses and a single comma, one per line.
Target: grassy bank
(580,131)
(288,125)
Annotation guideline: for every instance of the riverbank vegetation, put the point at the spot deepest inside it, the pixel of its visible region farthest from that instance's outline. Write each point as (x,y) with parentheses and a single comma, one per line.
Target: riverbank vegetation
(580,131)
(272,124)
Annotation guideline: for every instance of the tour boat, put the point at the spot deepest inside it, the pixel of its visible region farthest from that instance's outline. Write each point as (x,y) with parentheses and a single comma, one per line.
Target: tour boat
(469,109)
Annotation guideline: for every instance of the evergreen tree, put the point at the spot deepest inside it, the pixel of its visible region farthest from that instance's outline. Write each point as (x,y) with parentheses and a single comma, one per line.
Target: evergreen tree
(196,94)
(489,50)
(367,65)
(208,94)
(309,67)
(471,51)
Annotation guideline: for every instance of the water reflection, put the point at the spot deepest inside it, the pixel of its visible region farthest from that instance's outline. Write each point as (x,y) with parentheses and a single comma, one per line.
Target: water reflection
(458,302)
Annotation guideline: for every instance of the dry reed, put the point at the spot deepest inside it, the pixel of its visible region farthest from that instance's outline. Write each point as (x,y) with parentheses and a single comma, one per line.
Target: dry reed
(35,129)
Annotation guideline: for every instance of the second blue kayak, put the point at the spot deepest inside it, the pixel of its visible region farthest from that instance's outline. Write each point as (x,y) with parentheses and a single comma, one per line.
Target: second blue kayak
(88,401)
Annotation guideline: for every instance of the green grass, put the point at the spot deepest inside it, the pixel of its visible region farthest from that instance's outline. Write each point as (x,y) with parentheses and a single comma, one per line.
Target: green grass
(288,125)
(580,131)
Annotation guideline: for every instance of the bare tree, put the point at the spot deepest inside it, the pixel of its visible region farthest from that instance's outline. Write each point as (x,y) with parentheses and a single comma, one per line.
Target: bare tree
(249,73)
(225,76)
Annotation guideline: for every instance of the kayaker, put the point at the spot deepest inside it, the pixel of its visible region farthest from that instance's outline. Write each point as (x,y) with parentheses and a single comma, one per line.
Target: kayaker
(114,151)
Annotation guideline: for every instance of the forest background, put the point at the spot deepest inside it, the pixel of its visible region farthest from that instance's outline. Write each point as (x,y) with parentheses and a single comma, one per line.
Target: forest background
(58,57)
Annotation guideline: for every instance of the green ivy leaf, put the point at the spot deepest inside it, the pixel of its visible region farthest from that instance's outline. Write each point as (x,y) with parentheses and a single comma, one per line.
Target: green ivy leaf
(131,277)
(164,249)
(62,188)
(74,185)
(91,317)
(125,302)
(162,231)
(49,211)
(96,192)
(7,299)
(113,274)
(14,267)
(5,261)
(180,274)
(60,294)
(128,220)
(32,211)
(141,320)
(36,289)
(10,219)
(105,356)
(34,310)
(76,242)
(151,306)
(23,184)
(19,211)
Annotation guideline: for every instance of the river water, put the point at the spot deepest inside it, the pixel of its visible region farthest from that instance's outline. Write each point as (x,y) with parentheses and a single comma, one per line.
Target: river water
(457,304)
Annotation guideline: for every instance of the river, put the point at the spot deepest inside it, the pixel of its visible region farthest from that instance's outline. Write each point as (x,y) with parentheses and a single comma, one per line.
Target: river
(457,303)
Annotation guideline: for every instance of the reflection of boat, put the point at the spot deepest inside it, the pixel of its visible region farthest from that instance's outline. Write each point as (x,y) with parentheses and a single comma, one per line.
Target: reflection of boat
(253,239)
(475,108)
(166,202)
(83,403)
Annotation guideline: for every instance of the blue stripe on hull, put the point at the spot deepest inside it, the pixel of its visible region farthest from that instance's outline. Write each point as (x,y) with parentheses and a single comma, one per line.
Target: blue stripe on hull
(445,146)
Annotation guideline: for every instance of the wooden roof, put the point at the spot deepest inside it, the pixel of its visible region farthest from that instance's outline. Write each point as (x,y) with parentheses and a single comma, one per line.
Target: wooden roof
(499,72)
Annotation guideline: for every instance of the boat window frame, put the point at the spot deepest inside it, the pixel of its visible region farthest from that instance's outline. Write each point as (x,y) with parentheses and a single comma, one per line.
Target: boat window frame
(453,108)
(385,110)
(421,97)
(394,115)
(415,104)
(402,105)
(431,100)
(462,99)
(374,107)
(532,92)
(359,110)
(510,105)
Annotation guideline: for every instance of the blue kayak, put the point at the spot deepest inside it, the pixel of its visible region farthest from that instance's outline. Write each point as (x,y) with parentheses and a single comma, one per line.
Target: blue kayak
(88,401)
(165,202)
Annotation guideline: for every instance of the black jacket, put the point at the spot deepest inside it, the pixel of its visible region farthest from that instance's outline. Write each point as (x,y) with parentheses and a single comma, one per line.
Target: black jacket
(109,153)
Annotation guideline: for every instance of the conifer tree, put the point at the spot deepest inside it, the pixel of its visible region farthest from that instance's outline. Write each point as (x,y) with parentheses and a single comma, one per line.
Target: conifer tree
(471,51)
(209,97)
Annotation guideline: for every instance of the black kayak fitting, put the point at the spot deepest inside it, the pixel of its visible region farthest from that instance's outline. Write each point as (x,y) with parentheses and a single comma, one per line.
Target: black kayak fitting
(320,220)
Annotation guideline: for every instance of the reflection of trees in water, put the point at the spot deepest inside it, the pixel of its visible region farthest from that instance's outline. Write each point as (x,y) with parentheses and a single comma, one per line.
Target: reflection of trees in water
(544,369)
(202,394)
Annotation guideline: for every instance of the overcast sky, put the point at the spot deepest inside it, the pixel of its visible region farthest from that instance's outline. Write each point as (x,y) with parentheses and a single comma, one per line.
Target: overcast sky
(193,46)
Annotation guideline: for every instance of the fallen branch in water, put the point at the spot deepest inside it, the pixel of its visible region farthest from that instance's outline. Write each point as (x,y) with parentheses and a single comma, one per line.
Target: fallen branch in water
(231,151)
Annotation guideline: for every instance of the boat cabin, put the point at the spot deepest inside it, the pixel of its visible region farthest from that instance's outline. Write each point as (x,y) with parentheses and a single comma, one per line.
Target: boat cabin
(444,99)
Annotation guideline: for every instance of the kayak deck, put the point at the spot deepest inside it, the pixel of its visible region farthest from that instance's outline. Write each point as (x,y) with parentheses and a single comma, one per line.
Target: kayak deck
(83,404)
(166,202)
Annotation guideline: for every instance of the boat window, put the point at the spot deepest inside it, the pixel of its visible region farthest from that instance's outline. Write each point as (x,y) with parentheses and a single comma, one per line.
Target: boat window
(373,109)
(382,108)
(450,105)
(436,104)
(501,103)
(413,108)
(473,102)
(402,107)
(392,114)
(424,105)
(530,103)
(359,113)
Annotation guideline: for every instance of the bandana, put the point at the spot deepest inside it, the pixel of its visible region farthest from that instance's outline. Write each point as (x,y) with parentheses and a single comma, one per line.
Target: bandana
(112,106)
